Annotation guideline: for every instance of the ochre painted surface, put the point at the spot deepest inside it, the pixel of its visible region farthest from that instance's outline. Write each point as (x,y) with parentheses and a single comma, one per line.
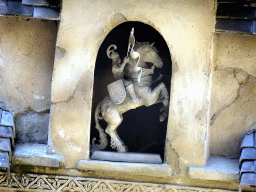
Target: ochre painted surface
(233,111)
(26,63)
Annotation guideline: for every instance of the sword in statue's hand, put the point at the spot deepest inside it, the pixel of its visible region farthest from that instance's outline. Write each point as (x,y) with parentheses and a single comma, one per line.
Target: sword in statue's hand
(131,42)
(134,55)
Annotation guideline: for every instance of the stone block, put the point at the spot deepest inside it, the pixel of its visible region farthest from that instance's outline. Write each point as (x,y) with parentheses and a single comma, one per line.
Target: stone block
(4,160)
(249,180)
(16,8)
(216,168)
(129,168)
(34,154)
(247,166)
(248,140)
(32,127)
(5,145)
(248,154)
(6,132)
(7,119)
(235,11)
(35,2)
(46,13)
(236,25)
(3,7)
(127,157)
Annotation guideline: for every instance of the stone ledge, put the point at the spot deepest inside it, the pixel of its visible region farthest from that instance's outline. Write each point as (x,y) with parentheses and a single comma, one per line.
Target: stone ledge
(131,168)
(217,168)
(53,183)
(127,157)
(34,154)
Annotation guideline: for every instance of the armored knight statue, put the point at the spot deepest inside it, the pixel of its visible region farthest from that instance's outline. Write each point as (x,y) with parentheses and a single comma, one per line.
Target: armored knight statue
(131,89)
(117,70)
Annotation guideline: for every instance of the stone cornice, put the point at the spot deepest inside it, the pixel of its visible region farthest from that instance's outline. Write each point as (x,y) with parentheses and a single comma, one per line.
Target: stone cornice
(32,182)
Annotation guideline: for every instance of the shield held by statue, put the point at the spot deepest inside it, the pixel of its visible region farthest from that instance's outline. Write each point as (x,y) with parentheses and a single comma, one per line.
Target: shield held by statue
(117,91)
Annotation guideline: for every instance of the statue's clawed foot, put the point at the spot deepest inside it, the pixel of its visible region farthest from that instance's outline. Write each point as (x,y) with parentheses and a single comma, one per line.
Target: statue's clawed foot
(118,146)
(163,109)
(165,102)
(122,149)
(163,117)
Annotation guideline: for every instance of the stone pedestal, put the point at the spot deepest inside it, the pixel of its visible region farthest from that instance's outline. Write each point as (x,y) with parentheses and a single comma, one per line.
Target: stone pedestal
(127,157)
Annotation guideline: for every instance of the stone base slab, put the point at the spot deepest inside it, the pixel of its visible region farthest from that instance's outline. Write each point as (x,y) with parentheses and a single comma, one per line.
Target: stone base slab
(34,182)
(127,157)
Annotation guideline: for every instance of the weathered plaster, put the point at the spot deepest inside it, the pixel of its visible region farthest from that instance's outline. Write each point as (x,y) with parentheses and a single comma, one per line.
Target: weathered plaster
(187,27)
(233,95)
(26,63)
(217,169)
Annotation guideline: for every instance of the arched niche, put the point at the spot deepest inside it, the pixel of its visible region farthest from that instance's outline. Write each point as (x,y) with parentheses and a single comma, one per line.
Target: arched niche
(141,130)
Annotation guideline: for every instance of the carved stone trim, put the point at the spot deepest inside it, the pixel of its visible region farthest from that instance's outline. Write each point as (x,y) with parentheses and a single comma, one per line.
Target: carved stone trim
(32,182)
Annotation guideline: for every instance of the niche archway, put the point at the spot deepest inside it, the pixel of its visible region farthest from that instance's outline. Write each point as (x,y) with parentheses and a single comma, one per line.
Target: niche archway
(140,130)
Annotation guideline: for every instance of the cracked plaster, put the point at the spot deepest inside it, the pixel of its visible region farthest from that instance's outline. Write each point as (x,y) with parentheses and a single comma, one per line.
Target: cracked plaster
(233,96)
(26,64)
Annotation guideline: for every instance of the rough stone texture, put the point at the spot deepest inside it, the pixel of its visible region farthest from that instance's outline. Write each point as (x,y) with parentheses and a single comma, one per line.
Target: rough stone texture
(34,154)
(16,8)
(32,127)
(186,26)
(46,13)
(3,7)
(127,168)
(233,93)
(26,64)
(35,2)
(217,168)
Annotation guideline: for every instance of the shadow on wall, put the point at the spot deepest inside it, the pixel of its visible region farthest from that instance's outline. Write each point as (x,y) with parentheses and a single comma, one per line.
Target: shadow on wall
(140,130)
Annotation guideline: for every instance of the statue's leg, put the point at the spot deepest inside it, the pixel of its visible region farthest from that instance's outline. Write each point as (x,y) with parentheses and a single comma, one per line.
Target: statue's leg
(131,91)
(116,142)
(164,114)
(160,93)
(157,95)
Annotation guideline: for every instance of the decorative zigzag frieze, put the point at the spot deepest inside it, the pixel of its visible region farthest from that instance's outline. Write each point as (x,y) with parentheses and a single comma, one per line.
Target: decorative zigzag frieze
(50,183)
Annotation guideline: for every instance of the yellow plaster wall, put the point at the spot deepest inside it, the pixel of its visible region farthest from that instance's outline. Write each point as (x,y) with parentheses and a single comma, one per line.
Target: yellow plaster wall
(26,63)
(233,111)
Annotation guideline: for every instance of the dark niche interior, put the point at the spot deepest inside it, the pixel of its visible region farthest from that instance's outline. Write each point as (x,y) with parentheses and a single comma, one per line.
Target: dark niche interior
(141,131)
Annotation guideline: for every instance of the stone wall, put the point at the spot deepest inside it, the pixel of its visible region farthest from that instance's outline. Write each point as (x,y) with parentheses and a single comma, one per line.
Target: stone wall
(27,48)
(233,110)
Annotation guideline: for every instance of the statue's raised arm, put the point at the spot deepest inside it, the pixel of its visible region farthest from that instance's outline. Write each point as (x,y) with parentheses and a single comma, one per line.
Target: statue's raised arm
(117,66)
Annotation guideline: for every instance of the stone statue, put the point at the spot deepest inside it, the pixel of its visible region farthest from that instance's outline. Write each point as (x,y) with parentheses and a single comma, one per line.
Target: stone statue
(133,76)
